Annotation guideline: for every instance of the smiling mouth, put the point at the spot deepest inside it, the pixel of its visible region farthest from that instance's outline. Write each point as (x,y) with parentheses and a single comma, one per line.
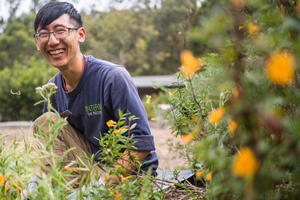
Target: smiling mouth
(56,52)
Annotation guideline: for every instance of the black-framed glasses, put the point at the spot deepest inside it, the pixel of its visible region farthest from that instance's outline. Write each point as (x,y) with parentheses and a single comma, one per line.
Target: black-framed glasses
(59,33)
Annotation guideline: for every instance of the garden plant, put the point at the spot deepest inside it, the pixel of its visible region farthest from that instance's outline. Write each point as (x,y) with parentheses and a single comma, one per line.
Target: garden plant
(238,115)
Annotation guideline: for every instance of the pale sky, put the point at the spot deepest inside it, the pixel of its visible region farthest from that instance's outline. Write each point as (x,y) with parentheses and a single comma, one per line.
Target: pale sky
(101,5)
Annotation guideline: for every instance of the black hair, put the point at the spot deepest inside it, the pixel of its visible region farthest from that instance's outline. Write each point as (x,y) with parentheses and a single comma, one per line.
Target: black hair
(53,10)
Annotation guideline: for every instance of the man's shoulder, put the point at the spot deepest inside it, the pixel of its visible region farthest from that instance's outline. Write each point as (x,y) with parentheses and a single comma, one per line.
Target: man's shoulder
(106,67)
(55,78)
(91,61)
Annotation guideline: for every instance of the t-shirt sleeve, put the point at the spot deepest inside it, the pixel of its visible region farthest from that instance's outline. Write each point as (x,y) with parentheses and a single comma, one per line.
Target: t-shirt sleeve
(124,96)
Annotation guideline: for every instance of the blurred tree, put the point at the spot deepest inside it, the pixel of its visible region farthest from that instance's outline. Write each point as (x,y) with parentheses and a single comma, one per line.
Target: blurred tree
(17,89)
(172,20)
(13,7)
(16,42)
(122,37)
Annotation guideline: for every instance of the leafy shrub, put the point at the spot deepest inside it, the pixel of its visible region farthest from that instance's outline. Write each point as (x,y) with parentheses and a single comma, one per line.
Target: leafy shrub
(239,117)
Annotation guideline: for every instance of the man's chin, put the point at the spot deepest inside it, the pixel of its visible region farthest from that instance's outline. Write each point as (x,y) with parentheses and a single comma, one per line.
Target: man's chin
(59,66)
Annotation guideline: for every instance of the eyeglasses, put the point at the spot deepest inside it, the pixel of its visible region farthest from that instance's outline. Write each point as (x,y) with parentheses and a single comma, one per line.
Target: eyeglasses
(59,33)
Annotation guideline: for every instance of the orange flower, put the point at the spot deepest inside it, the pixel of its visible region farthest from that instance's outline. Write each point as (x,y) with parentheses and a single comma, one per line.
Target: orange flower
(117,131)
(241,27)
(245,164)
(110,123)
(280,68)
(1,180)
(232,126)
(171,94)
(235,92)
(186,138)
(117,195)
(252,29)
(216,115)
(190,64)
(199,173)
(123,179)
(238,4)
(208,176)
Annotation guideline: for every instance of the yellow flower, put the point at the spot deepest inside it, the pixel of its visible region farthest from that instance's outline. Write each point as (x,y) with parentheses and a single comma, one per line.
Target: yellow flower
(280,68)
(216,115)
(148,99)
(232,126)
(110,123)
(186,138)
(208,176)
(245,164)
(252,29)
(171,94)
(199,173)
(190,64)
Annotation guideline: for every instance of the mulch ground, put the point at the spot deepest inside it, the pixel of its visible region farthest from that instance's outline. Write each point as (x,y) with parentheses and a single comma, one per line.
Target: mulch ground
(189,193)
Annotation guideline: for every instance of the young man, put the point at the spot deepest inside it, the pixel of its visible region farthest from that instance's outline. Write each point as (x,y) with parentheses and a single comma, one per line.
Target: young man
(92,90)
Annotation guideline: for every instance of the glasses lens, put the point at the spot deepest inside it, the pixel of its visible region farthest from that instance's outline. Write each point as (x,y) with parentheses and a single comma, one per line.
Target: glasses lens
(61,33)
(43,36)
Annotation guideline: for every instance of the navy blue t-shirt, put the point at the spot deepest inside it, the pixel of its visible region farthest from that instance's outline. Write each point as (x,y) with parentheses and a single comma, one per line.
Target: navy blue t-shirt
(103,89)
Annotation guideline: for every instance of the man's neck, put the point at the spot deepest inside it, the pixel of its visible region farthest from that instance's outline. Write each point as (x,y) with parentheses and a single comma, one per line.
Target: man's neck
(73,72)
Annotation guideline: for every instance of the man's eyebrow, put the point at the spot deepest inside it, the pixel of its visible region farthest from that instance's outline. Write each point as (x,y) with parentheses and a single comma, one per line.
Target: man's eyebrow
(57,25)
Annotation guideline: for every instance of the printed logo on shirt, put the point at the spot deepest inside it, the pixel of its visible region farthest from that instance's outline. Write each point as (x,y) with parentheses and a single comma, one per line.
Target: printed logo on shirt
(94,109)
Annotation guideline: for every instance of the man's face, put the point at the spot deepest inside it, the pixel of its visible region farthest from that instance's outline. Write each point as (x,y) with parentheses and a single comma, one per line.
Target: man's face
(60,52)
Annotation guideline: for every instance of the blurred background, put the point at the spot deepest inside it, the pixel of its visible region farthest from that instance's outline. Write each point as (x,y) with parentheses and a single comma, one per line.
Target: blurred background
(145,36)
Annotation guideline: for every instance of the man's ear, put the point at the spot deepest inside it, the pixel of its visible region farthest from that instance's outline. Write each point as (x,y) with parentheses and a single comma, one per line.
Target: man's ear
(81,33)
(37,45)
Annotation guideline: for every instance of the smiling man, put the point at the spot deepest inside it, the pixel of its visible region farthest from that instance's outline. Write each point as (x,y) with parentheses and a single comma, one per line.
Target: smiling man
(91,90)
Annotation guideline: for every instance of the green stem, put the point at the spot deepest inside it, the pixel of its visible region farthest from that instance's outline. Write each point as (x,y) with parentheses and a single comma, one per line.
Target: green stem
(195,99)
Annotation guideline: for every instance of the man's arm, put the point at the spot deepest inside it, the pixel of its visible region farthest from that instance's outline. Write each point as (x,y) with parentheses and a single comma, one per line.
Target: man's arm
(127,163)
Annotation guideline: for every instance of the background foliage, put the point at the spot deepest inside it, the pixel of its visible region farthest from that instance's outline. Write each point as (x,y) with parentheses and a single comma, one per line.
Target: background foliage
(145,39)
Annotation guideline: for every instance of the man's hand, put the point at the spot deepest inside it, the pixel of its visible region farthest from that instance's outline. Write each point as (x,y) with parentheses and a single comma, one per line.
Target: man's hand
(127,163)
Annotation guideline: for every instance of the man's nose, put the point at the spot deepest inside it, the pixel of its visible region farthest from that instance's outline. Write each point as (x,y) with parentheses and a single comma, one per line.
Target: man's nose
(52,39)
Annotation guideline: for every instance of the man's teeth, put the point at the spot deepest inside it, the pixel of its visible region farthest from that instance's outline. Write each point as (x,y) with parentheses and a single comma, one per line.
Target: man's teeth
(56,51)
